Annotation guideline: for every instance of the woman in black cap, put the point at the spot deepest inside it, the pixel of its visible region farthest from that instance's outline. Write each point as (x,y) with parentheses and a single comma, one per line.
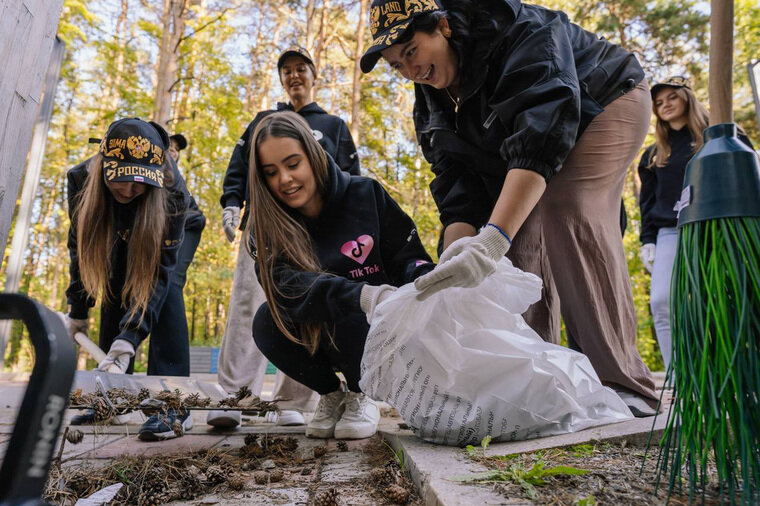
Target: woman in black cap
(530,123)
(681,118)
(240,362)
(127,221)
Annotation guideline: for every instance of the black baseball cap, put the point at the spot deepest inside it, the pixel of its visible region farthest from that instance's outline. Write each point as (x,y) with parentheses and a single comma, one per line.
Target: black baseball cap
(180,140)
(133,152)
(671,82)
(388,21)
(294,50)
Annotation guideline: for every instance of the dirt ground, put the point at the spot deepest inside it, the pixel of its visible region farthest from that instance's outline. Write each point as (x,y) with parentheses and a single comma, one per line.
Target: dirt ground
(263,469)
(586,474)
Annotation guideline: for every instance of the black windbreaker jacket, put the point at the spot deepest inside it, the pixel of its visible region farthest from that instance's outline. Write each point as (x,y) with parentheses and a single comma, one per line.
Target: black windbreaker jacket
(362,236)
(330,131)
(132,329)
(532,83)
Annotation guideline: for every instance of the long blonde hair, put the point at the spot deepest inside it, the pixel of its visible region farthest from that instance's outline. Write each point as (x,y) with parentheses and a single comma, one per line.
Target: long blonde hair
(697,120)
(94,216)
(279,235)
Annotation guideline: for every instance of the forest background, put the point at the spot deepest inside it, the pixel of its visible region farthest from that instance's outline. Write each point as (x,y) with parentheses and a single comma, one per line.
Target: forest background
(205,67)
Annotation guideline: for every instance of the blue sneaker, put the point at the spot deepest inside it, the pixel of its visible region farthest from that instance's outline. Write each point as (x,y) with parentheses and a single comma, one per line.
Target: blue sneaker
(87,417)
(162,426)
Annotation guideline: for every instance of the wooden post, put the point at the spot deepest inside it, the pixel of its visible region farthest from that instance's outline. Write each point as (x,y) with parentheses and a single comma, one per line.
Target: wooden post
(721,61)
(14,267)
(27,30)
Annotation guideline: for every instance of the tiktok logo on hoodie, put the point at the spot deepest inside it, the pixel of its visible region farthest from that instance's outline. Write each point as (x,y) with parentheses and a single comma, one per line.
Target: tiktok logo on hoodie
(358,250)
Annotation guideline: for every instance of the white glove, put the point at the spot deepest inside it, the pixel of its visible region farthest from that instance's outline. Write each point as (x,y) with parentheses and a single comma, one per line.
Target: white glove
(230,221)
(466,262)
(372,296)
(117,359)
(73,325)
(647,256)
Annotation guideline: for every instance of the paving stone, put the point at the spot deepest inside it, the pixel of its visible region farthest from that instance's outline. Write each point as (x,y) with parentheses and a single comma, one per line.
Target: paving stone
(91,442)
(339,467)
(133,446)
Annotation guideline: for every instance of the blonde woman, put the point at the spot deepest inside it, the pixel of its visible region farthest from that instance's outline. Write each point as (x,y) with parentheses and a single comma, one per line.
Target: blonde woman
(681,118)
(127,222)
(329,247)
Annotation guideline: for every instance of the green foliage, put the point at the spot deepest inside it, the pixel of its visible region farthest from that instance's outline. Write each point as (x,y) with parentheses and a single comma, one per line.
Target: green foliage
(226,73)
(586,501)
(398,455)
(471,451)
(527,478)
(581,450)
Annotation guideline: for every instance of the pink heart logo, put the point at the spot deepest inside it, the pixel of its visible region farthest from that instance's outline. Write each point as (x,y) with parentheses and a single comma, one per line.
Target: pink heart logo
(359,249)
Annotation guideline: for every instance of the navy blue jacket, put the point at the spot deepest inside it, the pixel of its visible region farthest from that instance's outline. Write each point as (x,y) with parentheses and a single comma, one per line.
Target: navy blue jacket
(330,131)
(531,82)
(131,329)
(361,236)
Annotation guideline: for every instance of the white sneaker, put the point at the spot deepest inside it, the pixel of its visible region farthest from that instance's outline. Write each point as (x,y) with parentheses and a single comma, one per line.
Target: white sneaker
(359,419)
(285,417)
(329,411)
(223,419)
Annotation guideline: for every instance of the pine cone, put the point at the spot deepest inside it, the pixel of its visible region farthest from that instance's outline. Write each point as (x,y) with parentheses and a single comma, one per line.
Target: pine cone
(276,475)
(75,399)
(152,498)
(243,393)
(397,494)
(178,429)
(261,477)
(215,474)
(191,487)
(236,481)
(378,475)
(251,439)
(103,411)
(319,451)
(143,394)
(74,436)
(342,446)
(326,498)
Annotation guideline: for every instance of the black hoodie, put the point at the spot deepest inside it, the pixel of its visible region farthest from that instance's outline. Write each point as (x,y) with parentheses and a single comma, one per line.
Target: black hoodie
(361,236)
(661,186)
(330,131)
(132,329)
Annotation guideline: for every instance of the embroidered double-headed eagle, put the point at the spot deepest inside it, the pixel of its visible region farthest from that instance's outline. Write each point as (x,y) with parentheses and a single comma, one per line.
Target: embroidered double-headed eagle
(393,14)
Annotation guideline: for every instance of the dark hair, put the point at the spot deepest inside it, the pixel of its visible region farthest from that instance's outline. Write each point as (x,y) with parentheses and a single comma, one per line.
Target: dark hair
(466,18)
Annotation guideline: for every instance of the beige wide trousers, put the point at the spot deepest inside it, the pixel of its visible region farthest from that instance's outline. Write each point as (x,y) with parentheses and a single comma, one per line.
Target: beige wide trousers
(572,240)
(240,361)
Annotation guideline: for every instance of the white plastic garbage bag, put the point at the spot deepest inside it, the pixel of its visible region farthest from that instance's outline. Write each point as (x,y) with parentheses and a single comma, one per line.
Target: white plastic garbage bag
(463,364)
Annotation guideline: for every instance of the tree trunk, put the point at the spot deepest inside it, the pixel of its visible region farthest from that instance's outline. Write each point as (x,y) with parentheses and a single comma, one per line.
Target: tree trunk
(356,90)
(721,61)
(173,27)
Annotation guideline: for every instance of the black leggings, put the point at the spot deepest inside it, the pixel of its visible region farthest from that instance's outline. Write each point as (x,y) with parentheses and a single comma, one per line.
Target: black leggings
(315,371)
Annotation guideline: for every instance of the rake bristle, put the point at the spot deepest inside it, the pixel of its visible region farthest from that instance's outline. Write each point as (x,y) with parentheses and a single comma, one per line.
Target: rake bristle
(715,372)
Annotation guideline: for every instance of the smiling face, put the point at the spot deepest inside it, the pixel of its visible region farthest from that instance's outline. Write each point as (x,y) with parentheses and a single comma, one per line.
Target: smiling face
(427,58)
(297,78)
(670,106)
(124,193)
(174,150)
(289,175)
